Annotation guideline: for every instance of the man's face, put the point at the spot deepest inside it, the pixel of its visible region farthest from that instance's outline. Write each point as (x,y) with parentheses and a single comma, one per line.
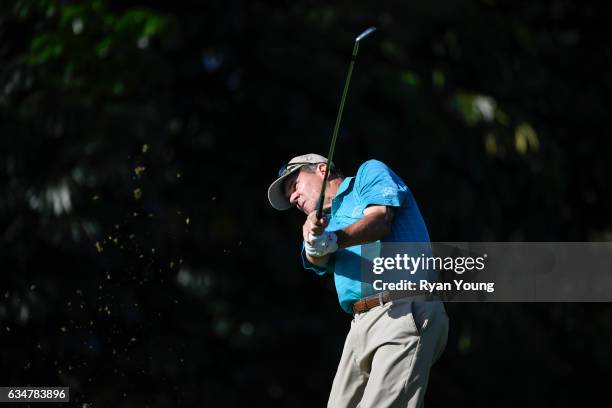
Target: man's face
(302,189)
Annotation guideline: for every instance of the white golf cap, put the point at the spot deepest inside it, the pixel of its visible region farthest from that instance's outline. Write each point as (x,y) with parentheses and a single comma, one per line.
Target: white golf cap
(276,193)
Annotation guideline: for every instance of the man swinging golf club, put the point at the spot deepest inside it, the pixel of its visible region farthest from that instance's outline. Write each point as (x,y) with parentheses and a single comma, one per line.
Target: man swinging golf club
(393,341)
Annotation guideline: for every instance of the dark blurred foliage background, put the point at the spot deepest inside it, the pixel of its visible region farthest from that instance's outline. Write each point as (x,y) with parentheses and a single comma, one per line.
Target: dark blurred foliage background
(141,263)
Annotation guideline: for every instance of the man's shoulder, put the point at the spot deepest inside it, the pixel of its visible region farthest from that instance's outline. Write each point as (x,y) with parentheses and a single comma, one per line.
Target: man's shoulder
(376,173)
(370,166)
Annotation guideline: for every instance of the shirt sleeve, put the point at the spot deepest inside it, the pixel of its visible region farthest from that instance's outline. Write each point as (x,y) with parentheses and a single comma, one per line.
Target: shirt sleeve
(319,270)
(377,184)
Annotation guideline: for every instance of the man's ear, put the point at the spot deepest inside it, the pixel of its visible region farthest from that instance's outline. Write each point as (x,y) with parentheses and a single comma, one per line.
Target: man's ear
(321,169)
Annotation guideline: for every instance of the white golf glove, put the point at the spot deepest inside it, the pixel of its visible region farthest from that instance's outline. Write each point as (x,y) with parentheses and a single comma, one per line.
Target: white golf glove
(321,245)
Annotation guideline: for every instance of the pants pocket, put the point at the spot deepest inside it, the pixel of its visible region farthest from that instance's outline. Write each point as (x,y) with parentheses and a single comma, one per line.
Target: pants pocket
(414,319)
(422,312)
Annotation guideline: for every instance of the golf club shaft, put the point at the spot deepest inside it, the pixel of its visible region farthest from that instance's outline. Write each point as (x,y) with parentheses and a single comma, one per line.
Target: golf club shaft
(338,119)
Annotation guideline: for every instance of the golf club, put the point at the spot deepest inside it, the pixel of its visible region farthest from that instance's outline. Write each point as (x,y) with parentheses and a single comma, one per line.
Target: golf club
(339,117)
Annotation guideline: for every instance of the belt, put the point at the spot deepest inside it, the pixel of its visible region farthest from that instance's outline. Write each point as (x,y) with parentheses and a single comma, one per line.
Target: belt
(369,302)
(379,299)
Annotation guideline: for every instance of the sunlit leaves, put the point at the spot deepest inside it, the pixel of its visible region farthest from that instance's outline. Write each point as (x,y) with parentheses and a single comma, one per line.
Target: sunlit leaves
(409,78)
(77,35)
(526,138)
(475,108)
(438,78)
(490,144)
(44,47)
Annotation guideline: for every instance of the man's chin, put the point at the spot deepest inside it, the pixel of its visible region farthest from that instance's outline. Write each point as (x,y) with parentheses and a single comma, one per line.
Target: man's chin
(308,209)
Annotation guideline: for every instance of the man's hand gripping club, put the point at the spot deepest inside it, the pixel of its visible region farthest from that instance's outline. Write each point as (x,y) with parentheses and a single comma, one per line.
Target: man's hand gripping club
(317,242)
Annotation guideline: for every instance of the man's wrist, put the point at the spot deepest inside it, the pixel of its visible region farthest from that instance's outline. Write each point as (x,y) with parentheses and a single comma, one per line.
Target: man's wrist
(341,238)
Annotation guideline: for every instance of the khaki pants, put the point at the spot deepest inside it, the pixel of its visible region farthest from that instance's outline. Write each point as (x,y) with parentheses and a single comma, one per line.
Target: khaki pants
(388,353)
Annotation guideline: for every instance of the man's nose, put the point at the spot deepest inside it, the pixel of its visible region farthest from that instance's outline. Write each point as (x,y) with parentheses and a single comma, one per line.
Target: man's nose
(293,198)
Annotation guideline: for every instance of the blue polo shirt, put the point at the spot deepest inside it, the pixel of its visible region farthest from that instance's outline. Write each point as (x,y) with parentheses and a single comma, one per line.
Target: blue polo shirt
(374,184)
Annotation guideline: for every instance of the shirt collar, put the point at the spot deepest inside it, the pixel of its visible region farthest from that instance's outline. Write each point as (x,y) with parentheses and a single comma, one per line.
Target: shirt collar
(344,186)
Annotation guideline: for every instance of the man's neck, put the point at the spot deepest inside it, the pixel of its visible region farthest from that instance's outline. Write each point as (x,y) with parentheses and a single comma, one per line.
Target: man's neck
(331,191)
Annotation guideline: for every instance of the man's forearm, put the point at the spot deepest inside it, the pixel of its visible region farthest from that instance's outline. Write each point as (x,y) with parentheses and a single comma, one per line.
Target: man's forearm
(370,228)
(374,226)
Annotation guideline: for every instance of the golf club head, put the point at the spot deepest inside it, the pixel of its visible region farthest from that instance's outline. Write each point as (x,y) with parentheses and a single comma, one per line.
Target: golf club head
(365,34)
